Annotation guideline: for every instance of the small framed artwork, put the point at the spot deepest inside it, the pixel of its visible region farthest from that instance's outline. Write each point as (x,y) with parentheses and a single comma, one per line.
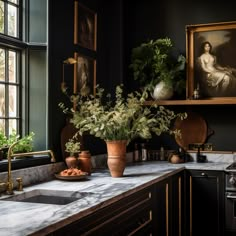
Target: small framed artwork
(85,75)
(211,64)
(85,27)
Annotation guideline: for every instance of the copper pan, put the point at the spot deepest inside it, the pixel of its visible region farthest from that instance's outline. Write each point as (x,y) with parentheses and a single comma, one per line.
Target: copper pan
(193,129)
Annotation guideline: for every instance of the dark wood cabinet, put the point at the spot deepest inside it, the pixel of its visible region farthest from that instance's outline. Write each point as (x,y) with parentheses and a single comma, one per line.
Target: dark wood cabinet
(177,204)
(155,210)
(168,211)
(161,208)
(204,203)
(189,203)
(131,215)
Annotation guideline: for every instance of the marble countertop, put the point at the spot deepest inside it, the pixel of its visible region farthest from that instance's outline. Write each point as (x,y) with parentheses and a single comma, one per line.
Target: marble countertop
(22,218)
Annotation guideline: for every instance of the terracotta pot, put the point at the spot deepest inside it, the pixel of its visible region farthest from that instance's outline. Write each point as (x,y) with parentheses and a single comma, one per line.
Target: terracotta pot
(71,162)
(85,163)
(116,158)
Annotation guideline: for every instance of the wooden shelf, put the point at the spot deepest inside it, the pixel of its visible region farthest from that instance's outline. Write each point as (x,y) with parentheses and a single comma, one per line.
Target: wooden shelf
(211,152)
(213,101)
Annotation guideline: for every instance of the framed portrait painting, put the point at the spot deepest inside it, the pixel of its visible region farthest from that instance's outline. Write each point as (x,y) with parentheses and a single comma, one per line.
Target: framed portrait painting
(85,27)
(85,75)
(211,64)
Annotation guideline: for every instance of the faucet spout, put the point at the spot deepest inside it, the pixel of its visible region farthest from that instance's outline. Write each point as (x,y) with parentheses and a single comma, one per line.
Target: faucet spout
(35,153)
(10,154)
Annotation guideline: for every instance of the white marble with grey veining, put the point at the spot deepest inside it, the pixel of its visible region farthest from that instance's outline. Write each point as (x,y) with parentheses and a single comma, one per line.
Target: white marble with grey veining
(34,175)
(215,157)
(21,218)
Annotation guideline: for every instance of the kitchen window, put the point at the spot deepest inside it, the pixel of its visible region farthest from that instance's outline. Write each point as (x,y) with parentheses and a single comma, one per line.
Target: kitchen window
(9,90)
(23,70)
(9,66)
(9,18)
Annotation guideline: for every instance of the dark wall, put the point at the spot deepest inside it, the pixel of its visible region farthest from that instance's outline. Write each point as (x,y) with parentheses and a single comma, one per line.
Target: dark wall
(109,57)
(123,25)
(60,44)
(152,19)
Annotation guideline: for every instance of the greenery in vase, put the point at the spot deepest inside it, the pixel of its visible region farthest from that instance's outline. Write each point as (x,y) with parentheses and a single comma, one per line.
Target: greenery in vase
(152,62)
(124,118)
(72,146)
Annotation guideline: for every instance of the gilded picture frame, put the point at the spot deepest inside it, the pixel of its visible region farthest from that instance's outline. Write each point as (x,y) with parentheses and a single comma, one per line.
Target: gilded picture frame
(211,64)
(84,75)
(85,27)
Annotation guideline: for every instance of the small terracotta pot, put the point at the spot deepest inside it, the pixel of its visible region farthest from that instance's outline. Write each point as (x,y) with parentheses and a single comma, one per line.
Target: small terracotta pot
(85,163)
(71,162)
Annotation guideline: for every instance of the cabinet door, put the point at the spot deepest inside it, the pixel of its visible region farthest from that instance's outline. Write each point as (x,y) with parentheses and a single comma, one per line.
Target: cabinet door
(177,204)
(161,208)
(205,202)
(168,208)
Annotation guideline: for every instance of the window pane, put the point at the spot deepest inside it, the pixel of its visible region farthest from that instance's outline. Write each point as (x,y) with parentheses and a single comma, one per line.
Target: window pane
(2,64)
(12,125)
(12,66)
(12,21)
(9,66)
(9,90)
(2,125)
(1,17)
(2,100)
(12,101)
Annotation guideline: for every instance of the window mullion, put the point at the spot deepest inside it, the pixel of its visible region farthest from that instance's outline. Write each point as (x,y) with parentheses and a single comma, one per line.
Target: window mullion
(7,84)
(5,18)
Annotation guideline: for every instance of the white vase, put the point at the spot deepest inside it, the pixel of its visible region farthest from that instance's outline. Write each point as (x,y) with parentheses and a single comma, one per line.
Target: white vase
(162,91)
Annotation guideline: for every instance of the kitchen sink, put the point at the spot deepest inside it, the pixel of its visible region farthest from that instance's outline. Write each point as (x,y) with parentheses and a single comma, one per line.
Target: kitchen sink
(46,196)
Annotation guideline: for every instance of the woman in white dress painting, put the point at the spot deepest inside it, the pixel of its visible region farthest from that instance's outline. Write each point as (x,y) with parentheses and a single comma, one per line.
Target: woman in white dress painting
(216,80)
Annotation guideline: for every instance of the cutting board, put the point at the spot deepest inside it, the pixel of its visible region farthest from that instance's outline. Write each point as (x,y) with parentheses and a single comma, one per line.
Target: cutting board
(193,130)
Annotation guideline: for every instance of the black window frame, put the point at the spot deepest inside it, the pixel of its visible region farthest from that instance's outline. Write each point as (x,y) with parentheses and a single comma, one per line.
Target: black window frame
(23,46)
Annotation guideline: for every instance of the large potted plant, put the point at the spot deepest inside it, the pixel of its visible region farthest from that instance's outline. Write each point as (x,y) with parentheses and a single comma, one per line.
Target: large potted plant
(121,119)
(155,66)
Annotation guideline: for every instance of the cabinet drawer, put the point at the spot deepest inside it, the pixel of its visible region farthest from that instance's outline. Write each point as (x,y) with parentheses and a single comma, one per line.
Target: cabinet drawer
(128,216)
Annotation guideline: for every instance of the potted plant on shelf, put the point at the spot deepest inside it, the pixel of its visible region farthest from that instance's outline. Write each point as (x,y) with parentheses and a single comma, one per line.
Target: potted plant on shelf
(158,71)
(119,121)
(73,148)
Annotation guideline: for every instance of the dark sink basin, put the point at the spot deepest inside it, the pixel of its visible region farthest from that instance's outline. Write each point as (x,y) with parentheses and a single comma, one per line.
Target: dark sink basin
(49,196)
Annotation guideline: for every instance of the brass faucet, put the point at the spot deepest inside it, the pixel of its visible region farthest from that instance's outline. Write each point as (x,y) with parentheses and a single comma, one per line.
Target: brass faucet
(10,154)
